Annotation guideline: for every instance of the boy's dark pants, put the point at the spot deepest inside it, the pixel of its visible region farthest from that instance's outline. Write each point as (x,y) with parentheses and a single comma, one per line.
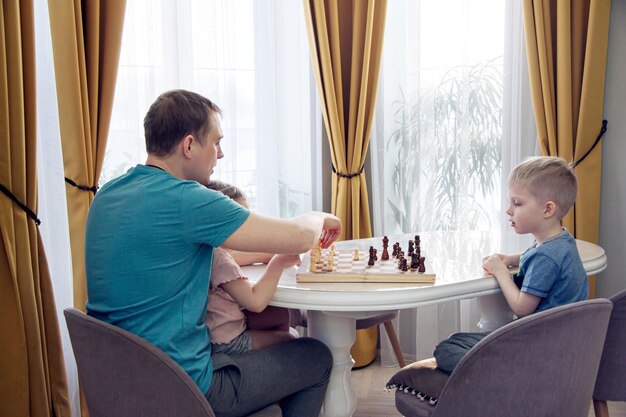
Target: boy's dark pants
(449,352)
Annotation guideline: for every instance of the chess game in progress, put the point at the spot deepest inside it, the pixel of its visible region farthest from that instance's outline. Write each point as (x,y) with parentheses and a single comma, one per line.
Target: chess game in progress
(378,264)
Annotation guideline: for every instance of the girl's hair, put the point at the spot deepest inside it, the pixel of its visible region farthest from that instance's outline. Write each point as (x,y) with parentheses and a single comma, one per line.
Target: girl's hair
(229,190)
(548,178)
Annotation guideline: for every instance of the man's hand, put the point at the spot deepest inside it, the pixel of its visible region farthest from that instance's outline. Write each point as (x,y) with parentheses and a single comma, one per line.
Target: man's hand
(330,230)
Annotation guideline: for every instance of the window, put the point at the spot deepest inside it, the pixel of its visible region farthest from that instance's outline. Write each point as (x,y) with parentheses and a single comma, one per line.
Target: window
(250,58)
(440,116)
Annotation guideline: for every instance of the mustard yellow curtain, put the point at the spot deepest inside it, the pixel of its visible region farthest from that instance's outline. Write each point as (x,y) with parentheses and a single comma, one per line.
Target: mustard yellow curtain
(32,372)
(566,44)
(86,40)
(346,42)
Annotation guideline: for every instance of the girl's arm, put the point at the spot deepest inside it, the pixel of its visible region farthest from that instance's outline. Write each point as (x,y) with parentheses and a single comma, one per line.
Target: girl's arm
(255,297)
(250,258)
(521,303)
(291,236)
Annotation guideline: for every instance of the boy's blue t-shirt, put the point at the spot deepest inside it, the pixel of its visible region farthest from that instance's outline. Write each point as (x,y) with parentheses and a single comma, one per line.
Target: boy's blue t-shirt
(148,253)
(554,272)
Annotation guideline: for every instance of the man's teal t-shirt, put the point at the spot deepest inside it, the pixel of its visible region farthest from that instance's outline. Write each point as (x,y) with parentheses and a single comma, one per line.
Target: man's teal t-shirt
(148,253)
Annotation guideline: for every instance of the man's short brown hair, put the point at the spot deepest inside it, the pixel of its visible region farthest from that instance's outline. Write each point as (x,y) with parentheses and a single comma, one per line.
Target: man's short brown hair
(174,115)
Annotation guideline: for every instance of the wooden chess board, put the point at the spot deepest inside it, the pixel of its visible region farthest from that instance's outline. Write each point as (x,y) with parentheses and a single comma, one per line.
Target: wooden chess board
(345,269)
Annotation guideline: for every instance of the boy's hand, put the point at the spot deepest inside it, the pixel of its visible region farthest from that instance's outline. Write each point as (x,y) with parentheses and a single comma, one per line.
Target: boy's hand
(285,261)
(495,265)
(509,260)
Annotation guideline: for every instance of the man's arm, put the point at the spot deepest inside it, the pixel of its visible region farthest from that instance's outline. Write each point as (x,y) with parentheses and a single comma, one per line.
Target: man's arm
(289,236)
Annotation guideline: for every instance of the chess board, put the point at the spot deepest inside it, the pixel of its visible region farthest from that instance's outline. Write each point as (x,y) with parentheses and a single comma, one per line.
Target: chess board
(345,269)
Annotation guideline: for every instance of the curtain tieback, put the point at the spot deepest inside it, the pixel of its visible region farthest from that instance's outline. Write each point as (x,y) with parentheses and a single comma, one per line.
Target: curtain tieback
(339,174)
(81,187)
(602,130)
(23,206)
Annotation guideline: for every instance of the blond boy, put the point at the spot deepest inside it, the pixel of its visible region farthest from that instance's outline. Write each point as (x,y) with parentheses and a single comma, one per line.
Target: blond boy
(541,192)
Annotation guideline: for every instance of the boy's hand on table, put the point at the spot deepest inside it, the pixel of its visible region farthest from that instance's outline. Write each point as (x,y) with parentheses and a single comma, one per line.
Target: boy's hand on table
(495,265)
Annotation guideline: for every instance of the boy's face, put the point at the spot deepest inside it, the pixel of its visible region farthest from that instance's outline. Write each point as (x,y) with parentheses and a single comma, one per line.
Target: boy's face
(526,213)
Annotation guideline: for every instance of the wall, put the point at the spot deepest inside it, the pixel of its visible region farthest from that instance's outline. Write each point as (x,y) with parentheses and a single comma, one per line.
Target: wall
(613,200)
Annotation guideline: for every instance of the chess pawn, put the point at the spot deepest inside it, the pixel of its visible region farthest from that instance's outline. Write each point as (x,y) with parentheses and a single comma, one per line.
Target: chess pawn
(355,257)
(330,265)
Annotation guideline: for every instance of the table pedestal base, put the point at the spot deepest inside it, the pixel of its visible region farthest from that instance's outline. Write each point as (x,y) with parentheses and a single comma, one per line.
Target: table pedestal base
(338,332)
(495,312)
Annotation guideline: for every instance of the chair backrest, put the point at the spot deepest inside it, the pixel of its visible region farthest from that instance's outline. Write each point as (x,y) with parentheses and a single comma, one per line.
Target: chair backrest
(611,378)
(544,364)
(124,375)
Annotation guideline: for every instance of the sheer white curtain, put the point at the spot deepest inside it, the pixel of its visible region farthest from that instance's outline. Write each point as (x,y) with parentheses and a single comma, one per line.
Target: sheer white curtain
(52,207)
(453,115)
(249,57)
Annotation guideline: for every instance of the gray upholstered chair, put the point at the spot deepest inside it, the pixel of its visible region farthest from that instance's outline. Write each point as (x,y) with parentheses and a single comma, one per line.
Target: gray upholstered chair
(123,375)
(299,318)
(611,380)
(541,365)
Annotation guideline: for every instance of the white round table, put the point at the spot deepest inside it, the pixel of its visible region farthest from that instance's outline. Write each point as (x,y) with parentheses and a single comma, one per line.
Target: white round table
(456,259)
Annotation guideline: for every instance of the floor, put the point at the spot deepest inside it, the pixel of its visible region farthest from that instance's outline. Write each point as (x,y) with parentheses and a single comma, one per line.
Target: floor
(374,401)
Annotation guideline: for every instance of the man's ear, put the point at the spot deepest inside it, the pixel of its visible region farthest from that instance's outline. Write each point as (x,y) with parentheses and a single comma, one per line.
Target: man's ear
(186,145)
(549,209)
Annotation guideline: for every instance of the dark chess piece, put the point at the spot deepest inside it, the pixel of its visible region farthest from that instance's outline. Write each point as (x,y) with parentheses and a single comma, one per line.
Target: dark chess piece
(375,254)
(417,240)
(415,263)
(404,267)
(370,261)
(422,266)
(411,247)
(385,255)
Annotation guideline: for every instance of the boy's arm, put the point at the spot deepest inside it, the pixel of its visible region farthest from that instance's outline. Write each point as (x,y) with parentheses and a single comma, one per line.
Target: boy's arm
(521,303)
(256,297)
(509,260)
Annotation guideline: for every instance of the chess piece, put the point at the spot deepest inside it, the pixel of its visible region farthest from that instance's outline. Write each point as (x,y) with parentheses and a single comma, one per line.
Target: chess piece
(371,262)
(355,257)
(385,255)
(404,267)
(375,254)
(422,266)
(414,261)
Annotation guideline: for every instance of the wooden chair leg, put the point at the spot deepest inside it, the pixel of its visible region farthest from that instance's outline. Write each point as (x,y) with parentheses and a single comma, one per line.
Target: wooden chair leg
(393,338)
(600,408)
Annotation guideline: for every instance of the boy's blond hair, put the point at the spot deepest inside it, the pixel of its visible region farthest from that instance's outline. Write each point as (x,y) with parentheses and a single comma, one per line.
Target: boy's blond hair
(548,178)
